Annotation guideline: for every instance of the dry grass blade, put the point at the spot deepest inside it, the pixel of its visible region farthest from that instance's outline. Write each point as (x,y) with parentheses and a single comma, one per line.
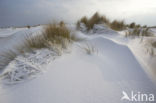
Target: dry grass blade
(6,57)
(89,49)
(36,42)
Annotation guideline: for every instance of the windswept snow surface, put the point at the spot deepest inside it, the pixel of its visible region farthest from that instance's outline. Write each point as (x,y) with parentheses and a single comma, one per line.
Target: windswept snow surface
(9,31)
(79,77)
(146,54)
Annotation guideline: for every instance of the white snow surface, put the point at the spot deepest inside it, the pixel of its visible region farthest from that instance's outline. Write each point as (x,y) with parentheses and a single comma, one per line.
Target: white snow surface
(75,77)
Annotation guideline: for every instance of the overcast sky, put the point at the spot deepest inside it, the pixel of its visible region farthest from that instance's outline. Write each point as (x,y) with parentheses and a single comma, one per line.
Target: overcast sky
(30,12)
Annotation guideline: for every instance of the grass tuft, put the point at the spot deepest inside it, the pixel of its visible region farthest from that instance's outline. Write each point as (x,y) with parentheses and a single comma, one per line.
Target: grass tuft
(28,27)
(138,31)
(89,49)
(118,25)
(90,22)
(53,34)
(6,57)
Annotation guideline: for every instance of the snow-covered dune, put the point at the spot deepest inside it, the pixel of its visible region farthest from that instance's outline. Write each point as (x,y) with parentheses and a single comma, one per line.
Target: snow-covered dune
(9,31)
(11,37)
(79,77)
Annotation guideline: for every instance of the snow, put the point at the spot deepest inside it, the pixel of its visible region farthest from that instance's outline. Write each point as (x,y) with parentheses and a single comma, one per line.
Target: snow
(153,31)
(146,54)
(9,31)
(77,77)
(27,66)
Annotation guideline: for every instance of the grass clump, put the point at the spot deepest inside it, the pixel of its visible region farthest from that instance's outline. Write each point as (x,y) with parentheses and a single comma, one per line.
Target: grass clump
(90,22)
(117,25)
(36,42)
(6,57)
(132,25)
(53,34)
(139,31)
(134,32)
(56,33)
(28,27)
(89,49)
(83,20)
(95,19)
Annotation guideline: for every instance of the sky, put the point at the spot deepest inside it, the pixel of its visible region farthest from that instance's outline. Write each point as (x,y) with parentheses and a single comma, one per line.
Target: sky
(32,12)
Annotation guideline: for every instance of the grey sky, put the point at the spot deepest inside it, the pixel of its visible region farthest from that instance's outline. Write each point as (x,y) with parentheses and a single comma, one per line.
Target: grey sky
(30,12)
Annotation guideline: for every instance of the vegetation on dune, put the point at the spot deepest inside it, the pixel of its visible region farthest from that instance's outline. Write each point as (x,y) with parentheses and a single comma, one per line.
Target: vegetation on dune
(117,25)
(99,19)
(55,36)
(6,58)
(95,19)
(89,48)
(56,33)
(139,31)
(36,42)
(28,27)
(132,25)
